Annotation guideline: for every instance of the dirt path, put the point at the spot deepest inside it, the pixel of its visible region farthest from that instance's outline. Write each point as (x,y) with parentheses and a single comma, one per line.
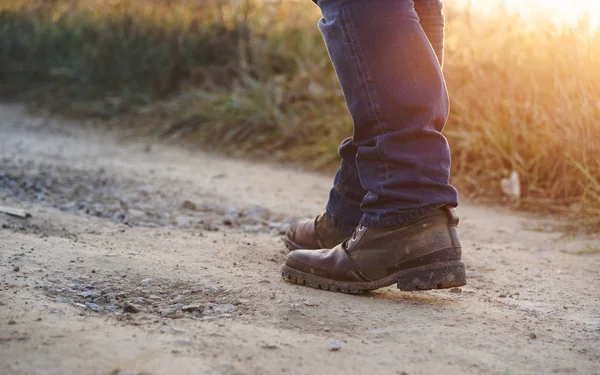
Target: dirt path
(192,241)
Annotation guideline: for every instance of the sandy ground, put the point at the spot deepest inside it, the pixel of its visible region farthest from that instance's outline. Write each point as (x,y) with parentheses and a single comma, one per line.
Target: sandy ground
(151,259)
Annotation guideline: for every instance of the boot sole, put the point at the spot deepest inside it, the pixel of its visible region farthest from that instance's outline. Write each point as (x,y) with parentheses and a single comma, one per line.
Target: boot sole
(442,275)
(291,245)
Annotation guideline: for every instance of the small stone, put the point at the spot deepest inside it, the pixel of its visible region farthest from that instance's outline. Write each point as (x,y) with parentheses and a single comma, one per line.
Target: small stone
(168,311)
(252,228)
(326,329)
(122,372)
(12,322)
(219,309)
(178,331)
(93,271)
(456,290)
(532,336)
(268,346)
(310,303)
(93,306)
(130,307)
(16,268)
(189,205)
(139,301)
(177,306)
(192,307)
(334,345)
(90,294)
(502,295)
(257,212)
(145,283)
(99,301)
(182,342)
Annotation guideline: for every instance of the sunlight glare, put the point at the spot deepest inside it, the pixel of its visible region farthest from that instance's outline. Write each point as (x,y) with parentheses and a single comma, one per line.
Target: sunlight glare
(562,12)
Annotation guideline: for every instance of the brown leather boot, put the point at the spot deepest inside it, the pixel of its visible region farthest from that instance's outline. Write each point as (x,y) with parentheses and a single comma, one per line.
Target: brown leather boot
(419,255)
(317,233)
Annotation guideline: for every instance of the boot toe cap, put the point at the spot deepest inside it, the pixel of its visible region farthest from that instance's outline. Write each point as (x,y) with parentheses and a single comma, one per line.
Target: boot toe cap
(306,261)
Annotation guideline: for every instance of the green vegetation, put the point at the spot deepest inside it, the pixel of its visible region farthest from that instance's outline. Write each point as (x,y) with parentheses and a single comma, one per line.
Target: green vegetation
(253,78)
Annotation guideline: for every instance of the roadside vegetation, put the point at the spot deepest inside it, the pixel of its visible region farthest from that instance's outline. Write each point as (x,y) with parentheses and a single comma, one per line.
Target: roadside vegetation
(252,78)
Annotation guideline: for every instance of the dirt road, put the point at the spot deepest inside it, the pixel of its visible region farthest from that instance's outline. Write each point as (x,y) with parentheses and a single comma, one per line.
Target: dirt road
(150,259)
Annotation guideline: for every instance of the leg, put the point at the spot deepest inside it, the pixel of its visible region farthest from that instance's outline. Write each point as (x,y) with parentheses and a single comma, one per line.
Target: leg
(343,208)
(431,19)
(396,95)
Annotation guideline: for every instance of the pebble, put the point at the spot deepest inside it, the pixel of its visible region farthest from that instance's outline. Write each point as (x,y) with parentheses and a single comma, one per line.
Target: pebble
(456,290)
(177,299)
(99,300)
(12,322)
(178,331)
(192,307)
(91,294)
(130,307)
(189,205)
(219,309)
(334,345)
(177,306)
(257,212)
(532,336)
(93,306)
(145,283)
(168,311)
(122,372)
(139,300)
(182,342)
(16,268)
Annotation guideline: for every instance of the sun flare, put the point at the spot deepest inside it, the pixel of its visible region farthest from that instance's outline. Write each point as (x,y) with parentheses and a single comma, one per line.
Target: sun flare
(561,12)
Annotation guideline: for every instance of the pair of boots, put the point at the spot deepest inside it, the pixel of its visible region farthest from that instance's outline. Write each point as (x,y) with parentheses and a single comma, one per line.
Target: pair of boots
(419,255)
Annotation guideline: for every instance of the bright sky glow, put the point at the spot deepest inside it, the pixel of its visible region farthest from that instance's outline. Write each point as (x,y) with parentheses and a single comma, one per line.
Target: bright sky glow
(562,12)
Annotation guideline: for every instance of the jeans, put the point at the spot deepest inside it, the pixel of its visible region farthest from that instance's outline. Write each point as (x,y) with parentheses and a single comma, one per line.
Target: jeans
(387,55)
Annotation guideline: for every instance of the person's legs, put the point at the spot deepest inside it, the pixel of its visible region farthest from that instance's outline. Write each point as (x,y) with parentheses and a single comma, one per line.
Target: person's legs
(396,95)
(343,208)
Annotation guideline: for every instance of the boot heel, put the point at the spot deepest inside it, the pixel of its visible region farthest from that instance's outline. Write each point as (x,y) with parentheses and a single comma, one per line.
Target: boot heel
(440,275)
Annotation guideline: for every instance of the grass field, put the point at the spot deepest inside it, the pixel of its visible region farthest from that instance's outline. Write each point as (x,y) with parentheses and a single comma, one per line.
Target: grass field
(253,78)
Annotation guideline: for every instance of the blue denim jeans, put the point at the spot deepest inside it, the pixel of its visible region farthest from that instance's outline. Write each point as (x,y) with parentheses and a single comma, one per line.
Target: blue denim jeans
(387,55)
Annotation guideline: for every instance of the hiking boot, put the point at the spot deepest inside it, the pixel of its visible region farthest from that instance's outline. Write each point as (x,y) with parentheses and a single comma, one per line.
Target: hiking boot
(419,255)
(317,233)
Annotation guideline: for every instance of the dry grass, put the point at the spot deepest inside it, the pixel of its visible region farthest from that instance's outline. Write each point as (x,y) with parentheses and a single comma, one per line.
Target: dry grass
(255,79)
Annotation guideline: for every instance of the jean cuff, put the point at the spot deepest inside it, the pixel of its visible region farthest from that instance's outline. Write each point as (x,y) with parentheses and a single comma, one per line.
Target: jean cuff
(394,219)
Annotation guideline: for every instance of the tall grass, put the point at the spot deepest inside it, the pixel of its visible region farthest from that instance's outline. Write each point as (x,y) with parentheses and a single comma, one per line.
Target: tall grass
(254,78)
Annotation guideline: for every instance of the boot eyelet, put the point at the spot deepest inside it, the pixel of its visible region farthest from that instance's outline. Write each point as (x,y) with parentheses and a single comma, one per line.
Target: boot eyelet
(361,228)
